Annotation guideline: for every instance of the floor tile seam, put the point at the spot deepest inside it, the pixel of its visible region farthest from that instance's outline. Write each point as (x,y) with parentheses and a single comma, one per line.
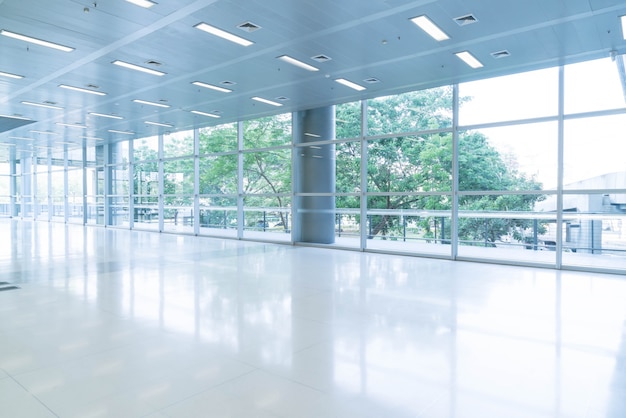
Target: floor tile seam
(34,397)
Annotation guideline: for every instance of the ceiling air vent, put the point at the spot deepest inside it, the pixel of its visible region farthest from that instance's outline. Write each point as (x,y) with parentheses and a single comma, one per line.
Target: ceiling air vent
(501,54)
(48,102)
(153,62)
(228,83)
(282,98)
(465,20)
(321,58)
(249,27)
(92,86)
(372,80)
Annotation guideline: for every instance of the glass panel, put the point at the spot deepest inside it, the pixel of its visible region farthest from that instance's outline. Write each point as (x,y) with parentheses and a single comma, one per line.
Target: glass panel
(509,98)
(410,112)
(267,172)
(178,177)
(146,195)
(178,144)
(516,157)
(220,138)
(419,224)
(119,211)
(218,216)
(590,157)
(58,195)
(75,195)
(265,215)
(218,174)
(146,149)
(593,85)
(348,120)
(593,230)
(348,168)
(409,163)
(267,132)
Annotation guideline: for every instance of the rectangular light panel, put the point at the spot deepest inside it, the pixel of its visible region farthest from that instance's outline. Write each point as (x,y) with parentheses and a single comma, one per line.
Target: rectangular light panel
(47,106)
(269,102)
(223,34)
(138,68)
(36,41)
(350,84)
(211,86)
(166,125)
(430,28)
(82,90)
(146,4)
(105,115)
(469,59)
(211,115)
(9,75)
(150,103)
(623,19)
(297,63)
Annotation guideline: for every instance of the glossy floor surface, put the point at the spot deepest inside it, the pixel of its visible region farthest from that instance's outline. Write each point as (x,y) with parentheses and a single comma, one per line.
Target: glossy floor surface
(118,323)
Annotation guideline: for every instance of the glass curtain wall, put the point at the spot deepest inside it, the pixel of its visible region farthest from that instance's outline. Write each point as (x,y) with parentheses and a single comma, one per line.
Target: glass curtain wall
(267,178)
(94,184)
(119,195)
(75,186)
(42,187)
(58,181)
(5,181)
(178,182)
(146,184)
(218,180)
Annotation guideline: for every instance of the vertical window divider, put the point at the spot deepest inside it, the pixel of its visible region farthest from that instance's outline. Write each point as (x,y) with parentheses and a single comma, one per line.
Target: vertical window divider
(84,188)
(160,168)
(364,132)
(196,181)
(66,205)
(560,169)
(240,214)
(131,184)
(454,227)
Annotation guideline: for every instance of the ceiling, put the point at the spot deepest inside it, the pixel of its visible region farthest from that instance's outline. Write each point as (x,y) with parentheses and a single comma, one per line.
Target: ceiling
(370,42)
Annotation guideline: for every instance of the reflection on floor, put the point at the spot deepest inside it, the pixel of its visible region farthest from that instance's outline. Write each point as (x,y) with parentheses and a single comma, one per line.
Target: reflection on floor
(117,323)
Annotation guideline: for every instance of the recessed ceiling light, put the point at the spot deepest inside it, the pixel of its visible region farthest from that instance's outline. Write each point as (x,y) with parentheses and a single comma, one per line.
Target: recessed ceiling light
(167,125)
(350,84)
(105,115)
(430,28)
(9,75)
(142,3)
(70,125)
(14,117)
(82,90)
(42,105)
(269,102)
(35,41)
(211,115)
(469,59)
(115,131)
(138,68)
(44,132)
(150,103)
(211,86)
(623,19)
(223,34)
(297,63)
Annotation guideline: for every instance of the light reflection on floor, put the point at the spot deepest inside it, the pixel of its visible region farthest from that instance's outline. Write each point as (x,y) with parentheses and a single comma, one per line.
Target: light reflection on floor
(117,323)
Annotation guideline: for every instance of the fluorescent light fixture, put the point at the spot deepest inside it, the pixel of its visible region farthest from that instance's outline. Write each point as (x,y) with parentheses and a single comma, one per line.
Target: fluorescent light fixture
(35,41)
(44,132)
(166,125)
(42,105)
(297,63)
(92,138)
(115,131)
(14,117)
(150,103)
(623,19)
(146,4)
(269,102)
(105,115)
(223,34)
(350,84)
(21,138)
(430,28)
(82,90)
(211,86)
(138,68)
(9,75)
(469,59)
(71,125)
(211,115)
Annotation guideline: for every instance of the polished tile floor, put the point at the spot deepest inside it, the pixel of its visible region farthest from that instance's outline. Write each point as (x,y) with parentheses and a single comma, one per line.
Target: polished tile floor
(118,323)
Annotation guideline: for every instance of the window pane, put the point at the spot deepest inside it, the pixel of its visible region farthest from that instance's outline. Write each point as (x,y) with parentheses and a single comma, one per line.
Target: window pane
(510,97)
(178,144)
(220,138)
(410,112)
(592,157)
(516,157)
(218,175)
(267,172)
(267,132)
(348,168)
(348,120)
(593,85)
(146,149)
(218,216)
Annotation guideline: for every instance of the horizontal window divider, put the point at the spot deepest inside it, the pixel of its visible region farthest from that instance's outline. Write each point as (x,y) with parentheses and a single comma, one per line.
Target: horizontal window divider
(179,157)
(528,121)
(507,215)
(410,212)
(218,154)
(266,195)
(140,162)
(317,194)
(505,192)
(593,191)
(233,195)
(264,209)
(595,114)
(443,193)
(267,149)
(409,133)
